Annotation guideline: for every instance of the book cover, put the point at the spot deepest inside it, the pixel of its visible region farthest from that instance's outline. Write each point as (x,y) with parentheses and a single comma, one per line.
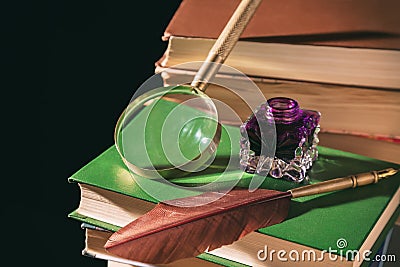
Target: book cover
(357,23)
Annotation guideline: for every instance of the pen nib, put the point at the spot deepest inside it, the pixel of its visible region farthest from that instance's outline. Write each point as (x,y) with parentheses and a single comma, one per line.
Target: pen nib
(387,172)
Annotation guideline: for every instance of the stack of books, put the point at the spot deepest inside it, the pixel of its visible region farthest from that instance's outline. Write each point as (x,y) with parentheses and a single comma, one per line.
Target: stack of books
(110,199)
(346,68)
(341,58)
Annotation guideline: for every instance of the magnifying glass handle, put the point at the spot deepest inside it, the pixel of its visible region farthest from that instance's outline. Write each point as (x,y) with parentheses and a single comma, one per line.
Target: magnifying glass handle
(225,43)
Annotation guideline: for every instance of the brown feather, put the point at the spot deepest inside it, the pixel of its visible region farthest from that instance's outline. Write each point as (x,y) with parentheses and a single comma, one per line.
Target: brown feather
(169,232)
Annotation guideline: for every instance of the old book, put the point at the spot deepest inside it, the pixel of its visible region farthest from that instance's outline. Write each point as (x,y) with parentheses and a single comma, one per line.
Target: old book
(340,42)
(348,110)
(95,240)
(346,68)
(322,23)
(94,247)
(361,67)
(111,199)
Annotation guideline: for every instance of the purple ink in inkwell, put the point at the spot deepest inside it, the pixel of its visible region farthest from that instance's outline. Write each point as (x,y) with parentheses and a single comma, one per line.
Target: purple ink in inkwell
(296,140)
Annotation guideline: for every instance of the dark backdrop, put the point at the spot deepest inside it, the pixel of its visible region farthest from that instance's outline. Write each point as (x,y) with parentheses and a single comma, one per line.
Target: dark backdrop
(71,68)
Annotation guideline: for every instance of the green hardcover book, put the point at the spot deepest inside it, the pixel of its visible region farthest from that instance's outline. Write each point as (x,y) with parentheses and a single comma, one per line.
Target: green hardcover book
(343,221)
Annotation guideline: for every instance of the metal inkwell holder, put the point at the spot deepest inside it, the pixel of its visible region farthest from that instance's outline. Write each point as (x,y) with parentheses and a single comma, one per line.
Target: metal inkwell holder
(169,132)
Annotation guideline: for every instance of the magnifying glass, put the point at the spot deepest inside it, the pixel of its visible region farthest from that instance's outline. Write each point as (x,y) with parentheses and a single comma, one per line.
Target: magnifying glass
(172,131)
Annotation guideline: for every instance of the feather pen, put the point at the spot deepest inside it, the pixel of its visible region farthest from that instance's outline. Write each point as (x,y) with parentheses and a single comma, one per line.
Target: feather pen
(169,232)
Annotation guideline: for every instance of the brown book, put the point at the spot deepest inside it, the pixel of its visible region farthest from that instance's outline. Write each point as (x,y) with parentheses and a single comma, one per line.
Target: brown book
(354,43)
(372,113)
(355,23)
(339,57)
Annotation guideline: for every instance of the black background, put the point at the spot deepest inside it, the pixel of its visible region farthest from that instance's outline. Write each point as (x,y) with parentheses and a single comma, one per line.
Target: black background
(71,67)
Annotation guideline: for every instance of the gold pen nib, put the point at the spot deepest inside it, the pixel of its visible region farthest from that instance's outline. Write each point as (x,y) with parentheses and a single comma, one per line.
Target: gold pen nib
(387,172)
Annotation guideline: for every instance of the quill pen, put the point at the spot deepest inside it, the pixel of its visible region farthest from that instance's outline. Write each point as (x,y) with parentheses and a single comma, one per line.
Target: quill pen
(169,232)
